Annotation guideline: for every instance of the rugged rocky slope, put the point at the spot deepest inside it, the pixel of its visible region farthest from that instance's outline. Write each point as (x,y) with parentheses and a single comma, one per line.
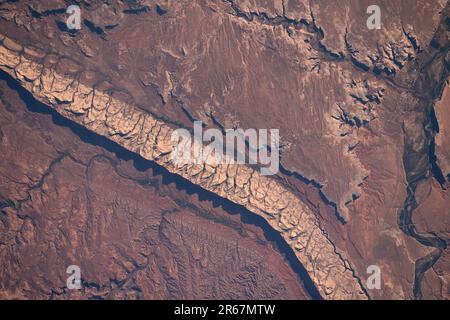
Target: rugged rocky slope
(133,231)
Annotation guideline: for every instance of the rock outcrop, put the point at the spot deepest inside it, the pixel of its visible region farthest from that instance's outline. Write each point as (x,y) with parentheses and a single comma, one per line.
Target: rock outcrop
(149,137)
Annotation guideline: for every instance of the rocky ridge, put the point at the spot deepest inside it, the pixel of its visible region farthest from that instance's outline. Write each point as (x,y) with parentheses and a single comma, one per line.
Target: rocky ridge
(149,137)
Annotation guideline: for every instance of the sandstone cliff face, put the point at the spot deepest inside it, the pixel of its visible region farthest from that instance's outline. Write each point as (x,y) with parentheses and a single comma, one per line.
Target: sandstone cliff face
(350,104)
(133,235)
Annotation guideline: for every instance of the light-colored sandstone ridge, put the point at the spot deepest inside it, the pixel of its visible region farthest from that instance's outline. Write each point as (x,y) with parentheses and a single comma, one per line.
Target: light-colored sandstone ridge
(141,133)
(443,117)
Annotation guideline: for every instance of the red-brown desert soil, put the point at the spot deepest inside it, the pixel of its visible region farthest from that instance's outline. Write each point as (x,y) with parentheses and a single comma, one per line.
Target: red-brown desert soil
(364,124)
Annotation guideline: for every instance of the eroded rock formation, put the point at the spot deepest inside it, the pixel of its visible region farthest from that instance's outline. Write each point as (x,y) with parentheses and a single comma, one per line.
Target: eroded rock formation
(151,138)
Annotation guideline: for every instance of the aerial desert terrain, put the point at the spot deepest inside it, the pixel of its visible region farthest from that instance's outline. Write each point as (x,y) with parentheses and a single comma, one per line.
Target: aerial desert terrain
(87,177)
